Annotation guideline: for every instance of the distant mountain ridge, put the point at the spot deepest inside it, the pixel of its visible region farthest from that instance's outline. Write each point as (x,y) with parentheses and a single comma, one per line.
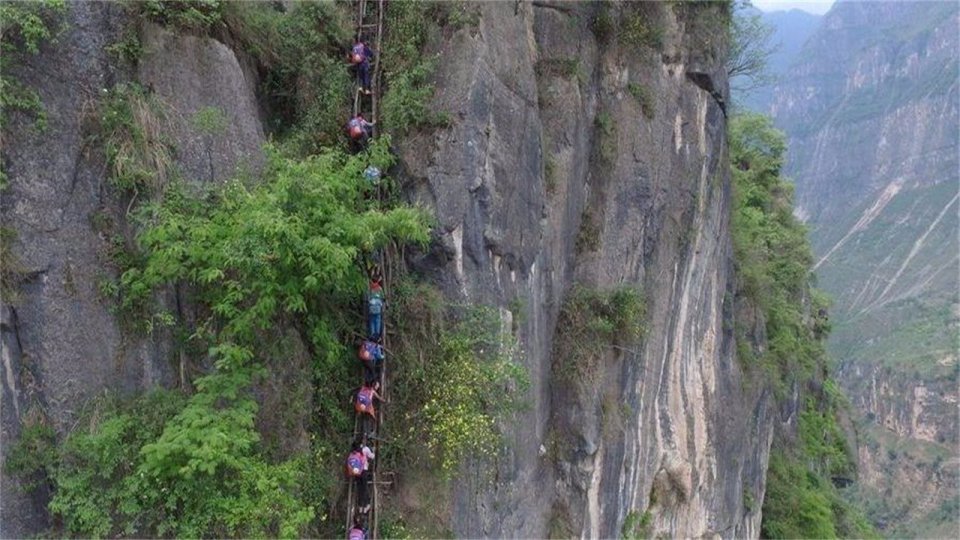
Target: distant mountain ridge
(870,108)
(790,31)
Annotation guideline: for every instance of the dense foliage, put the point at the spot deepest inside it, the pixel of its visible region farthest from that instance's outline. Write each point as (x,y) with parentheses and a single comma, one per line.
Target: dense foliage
(282,253)
(457,377)
(407,69)
(773,260)
(24,26)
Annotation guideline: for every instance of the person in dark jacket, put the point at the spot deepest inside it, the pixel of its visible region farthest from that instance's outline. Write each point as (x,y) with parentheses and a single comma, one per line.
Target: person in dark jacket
(359,129)
(360,58)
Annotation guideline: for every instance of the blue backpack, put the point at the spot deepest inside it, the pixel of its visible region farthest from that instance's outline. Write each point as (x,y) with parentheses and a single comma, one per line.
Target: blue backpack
(363,398)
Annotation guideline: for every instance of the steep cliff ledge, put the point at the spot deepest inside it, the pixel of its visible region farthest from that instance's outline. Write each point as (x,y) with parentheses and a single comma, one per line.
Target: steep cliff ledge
(575,158)
(587,148)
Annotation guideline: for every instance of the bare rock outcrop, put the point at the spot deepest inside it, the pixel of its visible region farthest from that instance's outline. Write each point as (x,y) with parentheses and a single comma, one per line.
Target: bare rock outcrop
(576,156)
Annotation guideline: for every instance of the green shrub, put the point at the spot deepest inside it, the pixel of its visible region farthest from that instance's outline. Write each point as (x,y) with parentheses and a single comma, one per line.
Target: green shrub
(636,525)
(33,458)
(132,127)
(12,270)
(559,67)
(644,97)
(592,322)
(469,390)
(641,26)
(128,49)
(457,14)
(407,70)
(407,103)
(550,175)
(94,483)
(24,26)
(589,233)
(456,380)
(210,121)
(190,14)
(606,131)
(603,25)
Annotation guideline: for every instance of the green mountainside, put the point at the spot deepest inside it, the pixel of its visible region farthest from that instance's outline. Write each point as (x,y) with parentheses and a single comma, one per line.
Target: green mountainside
(871,114)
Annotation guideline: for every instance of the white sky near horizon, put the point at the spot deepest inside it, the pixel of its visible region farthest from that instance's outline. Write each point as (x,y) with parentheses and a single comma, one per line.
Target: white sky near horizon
(818,7)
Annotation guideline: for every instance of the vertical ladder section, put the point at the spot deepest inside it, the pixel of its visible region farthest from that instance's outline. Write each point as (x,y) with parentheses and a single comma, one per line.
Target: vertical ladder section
(369,27)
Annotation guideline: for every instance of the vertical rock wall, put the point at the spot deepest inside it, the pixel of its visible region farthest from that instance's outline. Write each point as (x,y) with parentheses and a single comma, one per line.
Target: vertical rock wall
(529,162)
(61,345)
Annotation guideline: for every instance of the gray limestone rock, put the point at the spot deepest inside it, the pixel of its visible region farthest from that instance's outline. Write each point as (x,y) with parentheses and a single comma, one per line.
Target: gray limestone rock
(61,343)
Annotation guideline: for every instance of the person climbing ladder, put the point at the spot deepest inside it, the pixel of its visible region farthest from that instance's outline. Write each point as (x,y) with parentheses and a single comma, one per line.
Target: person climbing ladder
(373,358)
(358,469)
(362,492)
(360,58)
(358,531)
(365,399)
(360,130)
(375,304)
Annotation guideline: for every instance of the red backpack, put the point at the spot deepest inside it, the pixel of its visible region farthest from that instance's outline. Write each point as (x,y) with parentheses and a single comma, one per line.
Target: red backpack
(355,128)
(368,351)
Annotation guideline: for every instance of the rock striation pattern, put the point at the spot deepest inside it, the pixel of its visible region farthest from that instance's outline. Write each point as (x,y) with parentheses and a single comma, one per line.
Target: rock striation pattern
(578,157)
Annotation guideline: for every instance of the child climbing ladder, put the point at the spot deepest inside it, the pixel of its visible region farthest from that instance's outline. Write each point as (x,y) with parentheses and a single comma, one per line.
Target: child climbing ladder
(362,492)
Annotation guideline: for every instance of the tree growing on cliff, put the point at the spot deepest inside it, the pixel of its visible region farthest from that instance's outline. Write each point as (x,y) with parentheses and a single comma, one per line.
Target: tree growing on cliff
(750,50)
(773,261)
(281,254)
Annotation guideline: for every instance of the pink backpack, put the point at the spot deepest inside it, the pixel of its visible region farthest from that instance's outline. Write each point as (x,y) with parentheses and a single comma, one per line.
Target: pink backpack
(355,463)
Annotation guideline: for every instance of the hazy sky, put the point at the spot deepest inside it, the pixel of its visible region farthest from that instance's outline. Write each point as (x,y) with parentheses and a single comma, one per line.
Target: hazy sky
(813,6)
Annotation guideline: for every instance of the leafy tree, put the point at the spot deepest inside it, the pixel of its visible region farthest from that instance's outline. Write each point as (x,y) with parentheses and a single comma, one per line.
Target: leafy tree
(773,260)
(24,26)
(284,252)
(750,50)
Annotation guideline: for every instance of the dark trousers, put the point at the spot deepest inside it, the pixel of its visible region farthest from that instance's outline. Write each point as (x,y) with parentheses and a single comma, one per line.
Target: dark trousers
(363,72)
(371,374)
(363,489)
(360,144)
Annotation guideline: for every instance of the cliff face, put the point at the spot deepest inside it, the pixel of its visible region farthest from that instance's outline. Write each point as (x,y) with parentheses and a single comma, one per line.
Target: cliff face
(870,109)
(61,344)
(586,146)
(551,174)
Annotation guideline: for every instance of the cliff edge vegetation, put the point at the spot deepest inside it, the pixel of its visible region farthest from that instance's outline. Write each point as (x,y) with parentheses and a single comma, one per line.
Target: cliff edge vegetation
(811,456)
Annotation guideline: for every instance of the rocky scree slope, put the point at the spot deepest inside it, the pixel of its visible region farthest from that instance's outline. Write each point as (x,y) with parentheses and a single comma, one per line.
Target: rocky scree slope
(871,112)
(587,147)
